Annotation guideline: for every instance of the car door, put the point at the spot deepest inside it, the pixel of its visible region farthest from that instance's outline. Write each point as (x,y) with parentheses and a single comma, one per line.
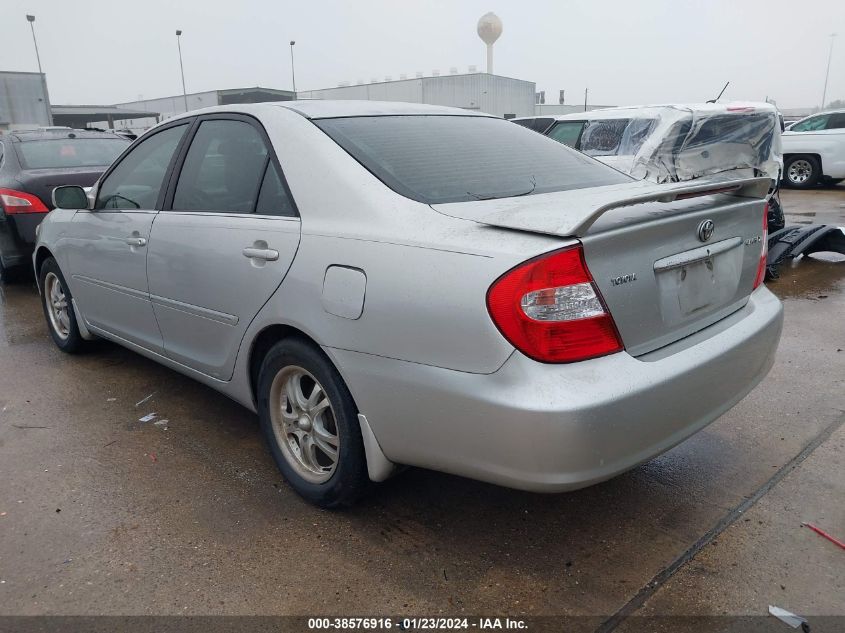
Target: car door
(835,128)
(106,247)
(222,244)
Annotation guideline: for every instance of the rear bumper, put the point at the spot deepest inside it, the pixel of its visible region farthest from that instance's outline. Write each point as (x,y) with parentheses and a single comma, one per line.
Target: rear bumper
(17,238)
(24,225)
(551,428)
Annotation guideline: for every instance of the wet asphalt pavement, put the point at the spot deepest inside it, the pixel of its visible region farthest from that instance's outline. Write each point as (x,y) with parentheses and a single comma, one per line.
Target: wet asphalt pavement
(103,514)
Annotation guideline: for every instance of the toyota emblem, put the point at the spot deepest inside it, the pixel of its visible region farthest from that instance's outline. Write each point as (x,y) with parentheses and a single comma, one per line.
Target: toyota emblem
(705,230)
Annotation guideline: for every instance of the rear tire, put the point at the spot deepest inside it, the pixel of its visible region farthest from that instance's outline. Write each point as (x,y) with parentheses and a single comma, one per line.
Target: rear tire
(58,308)
(802,171)
(310,423)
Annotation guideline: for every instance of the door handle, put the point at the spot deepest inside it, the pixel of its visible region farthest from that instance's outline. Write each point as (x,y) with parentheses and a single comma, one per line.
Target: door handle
(136,241)
(267,254)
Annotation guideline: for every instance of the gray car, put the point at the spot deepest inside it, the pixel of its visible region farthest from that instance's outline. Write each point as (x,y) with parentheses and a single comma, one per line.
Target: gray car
(393,284)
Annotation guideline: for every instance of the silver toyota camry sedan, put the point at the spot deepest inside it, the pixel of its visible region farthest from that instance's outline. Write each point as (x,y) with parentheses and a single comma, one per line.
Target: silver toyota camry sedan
(392,284)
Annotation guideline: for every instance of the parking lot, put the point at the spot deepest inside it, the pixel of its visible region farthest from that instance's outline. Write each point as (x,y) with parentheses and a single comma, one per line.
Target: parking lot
(101,513)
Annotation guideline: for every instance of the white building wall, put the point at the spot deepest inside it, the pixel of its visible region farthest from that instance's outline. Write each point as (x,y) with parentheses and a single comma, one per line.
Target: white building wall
(492,94)
(551,109)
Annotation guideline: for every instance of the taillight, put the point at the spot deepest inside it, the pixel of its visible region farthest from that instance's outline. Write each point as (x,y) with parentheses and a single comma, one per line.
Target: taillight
(551,311)
(764,252)
(21,202)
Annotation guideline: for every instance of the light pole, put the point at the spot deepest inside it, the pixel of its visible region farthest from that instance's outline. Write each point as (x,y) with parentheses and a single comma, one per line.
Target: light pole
(181,67)
(31,20)
(827,74)
(292,70)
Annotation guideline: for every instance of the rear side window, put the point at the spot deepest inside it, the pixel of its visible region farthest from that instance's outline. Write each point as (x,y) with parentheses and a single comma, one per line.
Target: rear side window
(438,159)
(70,152)
(567,132)
(836,121)
(538,124)
(223,169)
(273,199)
(135,183)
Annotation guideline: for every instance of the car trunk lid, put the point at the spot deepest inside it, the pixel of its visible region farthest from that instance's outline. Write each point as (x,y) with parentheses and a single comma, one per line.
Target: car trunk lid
(644,246)
(41,182)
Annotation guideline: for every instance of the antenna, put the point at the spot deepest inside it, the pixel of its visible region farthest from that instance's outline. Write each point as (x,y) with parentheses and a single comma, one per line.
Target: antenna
(721,93)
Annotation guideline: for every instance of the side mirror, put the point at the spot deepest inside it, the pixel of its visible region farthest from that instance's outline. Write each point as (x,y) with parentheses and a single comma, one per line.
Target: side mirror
(70,197)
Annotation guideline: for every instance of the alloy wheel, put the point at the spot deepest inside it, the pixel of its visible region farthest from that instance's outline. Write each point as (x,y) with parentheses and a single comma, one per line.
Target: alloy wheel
(304,424)
(57,305)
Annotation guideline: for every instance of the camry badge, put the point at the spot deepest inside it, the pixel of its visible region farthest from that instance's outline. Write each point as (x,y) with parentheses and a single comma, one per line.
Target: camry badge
(705,230)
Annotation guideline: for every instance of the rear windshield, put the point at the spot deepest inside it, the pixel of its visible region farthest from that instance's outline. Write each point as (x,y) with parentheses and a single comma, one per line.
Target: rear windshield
(438,159)
(615,137)
(70,152)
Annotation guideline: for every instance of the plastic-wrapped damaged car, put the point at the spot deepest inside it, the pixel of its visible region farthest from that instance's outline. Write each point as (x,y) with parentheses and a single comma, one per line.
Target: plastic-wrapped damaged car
(675,143)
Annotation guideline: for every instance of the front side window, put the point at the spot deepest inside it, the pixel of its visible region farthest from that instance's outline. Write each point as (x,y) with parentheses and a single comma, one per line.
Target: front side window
(567,132)
(446,158)
(223,169)
(70,152)
(135,183)
(812,124)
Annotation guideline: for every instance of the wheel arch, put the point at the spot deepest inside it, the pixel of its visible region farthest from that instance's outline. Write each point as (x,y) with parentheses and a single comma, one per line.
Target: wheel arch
(262,343)
(41,255)
(379,467)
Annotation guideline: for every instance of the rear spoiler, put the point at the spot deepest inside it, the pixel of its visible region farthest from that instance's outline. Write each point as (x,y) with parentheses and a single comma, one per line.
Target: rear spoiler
(571,213)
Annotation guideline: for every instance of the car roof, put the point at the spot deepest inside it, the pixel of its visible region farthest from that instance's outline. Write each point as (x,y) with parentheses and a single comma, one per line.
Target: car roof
(325,108)
(331,109)
(836,111)
(22,136)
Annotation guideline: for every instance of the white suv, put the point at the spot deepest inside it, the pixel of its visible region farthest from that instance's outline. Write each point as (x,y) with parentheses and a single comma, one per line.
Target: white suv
(814,150)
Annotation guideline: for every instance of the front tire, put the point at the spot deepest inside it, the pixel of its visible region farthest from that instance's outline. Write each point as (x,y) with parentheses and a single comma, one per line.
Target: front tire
(310,423)
(802,171)
(58,308)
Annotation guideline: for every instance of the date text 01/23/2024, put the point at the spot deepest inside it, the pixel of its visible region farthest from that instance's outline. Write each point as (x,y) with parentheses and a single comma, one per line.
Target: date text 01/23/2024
(416,624)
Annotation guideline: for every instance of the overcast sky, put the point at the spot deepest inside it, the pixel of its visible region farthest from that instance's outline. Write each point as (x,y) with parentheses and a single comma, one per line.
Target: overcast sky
(627,52)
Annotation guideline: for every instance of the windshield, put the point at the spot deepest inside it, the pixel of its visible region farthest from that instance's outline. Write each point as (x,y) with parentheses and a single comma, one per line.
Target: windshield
(439,159)
(70,152)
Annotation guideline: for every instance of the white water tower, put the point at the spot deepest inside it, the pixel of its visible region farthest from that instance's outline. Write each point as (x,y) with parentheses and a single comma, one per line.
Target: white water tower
(489,30)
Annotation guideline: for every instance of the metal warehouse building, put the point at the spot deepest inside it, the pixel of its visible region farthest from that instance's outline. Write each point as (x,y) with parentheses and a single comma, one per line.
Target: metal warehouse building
(167,107)
(493,94)
(24,101)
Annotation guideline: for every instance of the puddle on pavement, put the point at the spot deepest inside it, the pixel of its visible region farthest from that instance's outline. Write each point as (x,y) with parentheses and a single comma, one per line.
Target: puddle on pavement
(21,318)
(817,277)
